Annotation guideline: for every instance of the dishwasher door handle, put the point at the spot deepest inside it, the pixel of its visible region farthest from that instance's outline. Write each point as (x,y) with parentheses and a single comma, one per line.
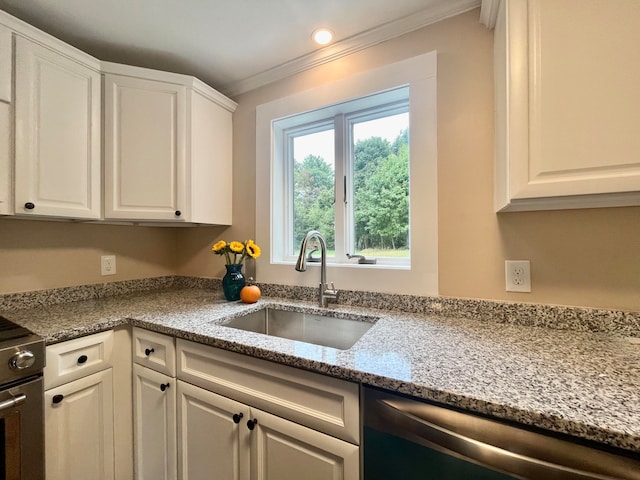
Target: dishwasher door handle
(495,445)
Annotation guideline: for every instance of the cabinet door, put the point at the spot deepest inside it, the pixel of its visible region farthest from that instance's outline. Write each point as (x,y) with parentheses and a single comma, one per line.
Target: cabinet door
(210,442)
(145,131)
(566,103)
(6,84)
(57,134)
(79,429)
(211,161)
(318,401)
(283,450)
(6,201)
(154,424)
(6,198)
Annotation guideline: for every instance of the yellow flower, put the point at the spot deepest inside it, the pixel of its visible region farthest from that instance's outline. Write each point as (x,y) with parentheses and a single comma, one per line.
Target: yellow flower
(236,247)
(217,248)
(253,250)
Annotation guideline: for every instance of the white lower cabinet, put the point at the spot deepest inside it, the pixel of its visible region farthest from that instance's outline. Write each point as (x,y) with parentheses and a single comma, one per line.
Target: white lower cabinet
(283,450)
(213,439)
(234,417)
(237,442)
(79,429)
(154,401)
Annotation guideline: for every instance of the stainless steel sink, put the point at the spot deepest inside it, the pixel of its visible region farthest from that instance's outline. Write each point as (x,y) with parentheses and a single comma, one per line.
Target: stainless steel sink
(329,331)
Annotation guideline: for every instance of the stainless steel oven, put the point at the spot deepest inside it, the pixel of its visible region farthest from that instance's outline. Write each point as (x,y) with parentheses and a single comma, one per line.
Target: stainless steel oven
(414,440)
(22,359)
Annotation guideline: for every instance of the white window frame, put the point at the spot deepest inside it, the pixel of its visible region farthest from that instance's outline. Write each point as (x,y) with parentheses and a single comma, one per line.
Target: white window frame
(340,118)
(421,277)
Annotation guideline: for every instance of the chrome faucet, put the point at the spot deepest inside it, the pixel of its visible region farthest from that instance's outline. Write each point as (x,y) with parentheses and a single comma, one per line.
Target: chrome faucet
(326,294)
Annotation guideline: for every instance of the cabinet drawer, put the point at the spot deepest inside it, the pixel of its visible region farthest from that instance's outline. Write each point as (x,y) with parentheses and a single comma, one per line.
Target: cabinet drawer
(77,358)
(154,350)
(326,404)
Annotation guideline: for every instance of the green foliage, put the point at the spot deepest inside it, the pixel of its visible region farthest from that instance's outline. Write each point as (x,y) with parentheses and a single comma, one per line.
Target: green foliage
(381,192)
(313,199)
(381,195)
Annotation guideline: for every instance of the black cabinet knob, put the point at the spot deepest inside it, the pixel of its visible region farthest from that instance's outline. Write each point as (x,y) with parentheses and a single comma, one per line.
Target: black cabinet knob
(148,351)
(178,213)
(29,206)
(57,399)
(251,424)
(164,386)
(82,359)
(237,417)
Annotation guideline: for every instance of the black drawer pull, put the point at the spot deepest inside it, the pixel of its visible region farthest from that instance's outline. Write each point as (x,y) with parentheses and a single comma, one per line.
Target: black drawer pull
(237,417)
(57,399)
(148,351)
(29,205)
(164,386)
(82,359)
(251,424)
(178,213)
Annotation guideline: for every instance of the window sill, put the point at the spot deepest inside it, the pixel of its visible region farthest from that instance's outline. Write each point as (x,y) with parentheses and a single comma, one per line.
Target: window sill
(377,266)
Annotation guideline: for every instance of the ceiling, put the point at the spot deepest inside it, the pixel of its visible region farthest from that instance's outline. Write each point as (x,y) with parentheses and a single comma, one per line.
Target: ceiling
(233,45)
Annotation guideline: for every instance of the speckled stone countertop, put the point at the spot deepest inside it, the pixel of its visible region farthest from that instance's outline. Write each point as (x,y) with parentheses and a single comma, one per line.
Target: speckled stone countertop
(576,382)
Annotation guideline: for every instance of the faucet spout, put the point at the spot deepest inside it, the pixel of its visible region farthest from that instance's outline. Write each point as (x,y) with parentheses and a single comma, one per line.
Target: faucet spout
(325,293)
(301,264)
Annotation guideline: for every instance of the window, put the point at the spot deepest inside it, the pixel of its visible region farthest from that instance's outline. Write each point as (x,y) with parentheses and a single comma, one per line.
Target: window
(339,114)
(346,174)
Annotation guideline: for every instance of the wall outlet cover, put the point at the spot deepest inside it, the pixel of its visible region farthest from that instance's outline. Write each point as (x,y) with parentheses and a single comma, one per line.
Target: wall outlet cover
(108,265)
(518,275)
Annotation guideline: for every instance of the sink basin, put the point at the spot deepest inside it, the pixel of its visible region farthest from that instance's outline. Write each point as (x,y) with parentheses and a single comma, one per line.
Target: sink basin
(325,330)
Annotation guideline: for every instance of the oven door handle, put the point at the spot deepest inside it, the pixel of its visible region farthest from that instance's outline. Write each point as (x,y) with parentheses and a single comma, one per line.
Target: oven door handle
(430,426)
(13,402)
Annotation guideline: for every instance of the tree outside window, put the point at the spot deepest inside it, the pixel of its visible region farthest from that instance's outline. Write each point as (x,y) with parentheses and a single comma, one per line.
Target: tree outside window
(367,178)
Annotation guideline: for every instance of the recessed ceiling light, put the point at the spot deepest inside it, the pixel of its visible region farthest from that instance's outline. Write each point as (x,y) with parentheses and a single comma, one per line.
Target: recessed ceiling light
(322,36)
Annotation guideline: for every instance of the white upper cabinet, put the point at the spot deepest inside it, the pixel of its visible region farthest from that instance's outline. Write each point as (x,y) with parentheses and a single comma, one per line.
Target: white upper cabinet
(57,132)
(6,57)
(567,103)
(167,148)
(6,54)
(6,198)
(168,137)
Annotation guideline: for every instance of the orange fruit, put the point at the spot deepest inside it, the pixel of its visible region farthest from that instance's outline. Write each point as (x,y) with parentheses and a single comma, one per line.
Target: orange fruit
(250,294)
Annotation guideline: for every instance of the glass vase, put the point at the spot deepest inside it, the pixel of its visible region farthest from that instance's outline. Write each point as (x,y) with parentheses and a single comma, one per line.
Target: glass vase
(233,281)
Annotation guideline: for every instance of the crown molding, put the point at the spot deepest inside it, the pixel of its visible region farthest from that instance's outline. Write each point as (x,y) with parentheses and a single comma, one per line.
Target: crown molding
(489,13)
(361,41)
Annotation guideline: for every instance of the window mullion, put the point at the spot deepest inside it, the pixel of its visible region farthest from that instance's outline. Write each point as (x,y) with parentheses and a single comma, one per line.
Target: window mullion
(341,139)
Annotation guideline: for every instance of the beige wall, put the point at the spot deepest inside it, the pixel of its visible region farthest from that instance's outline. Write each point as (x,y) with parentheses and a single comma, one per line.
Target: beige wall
(578,257)
(36,255)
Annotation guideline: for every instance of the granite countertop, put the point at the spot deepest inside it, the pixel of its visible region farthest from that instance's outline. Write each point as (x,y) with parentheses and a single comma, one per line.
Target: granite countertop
(580,383)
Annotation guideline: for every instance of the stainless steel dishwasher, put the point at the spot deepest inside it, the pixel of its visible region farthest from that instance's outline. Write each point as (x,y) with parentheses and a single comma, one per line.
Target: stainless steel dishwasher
(407,439)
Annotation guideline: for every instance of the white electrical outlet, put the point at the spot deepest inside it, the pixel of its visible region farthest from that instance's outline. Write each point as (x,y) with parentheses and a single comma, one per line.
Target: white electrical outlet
(108,265)
(518,275)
